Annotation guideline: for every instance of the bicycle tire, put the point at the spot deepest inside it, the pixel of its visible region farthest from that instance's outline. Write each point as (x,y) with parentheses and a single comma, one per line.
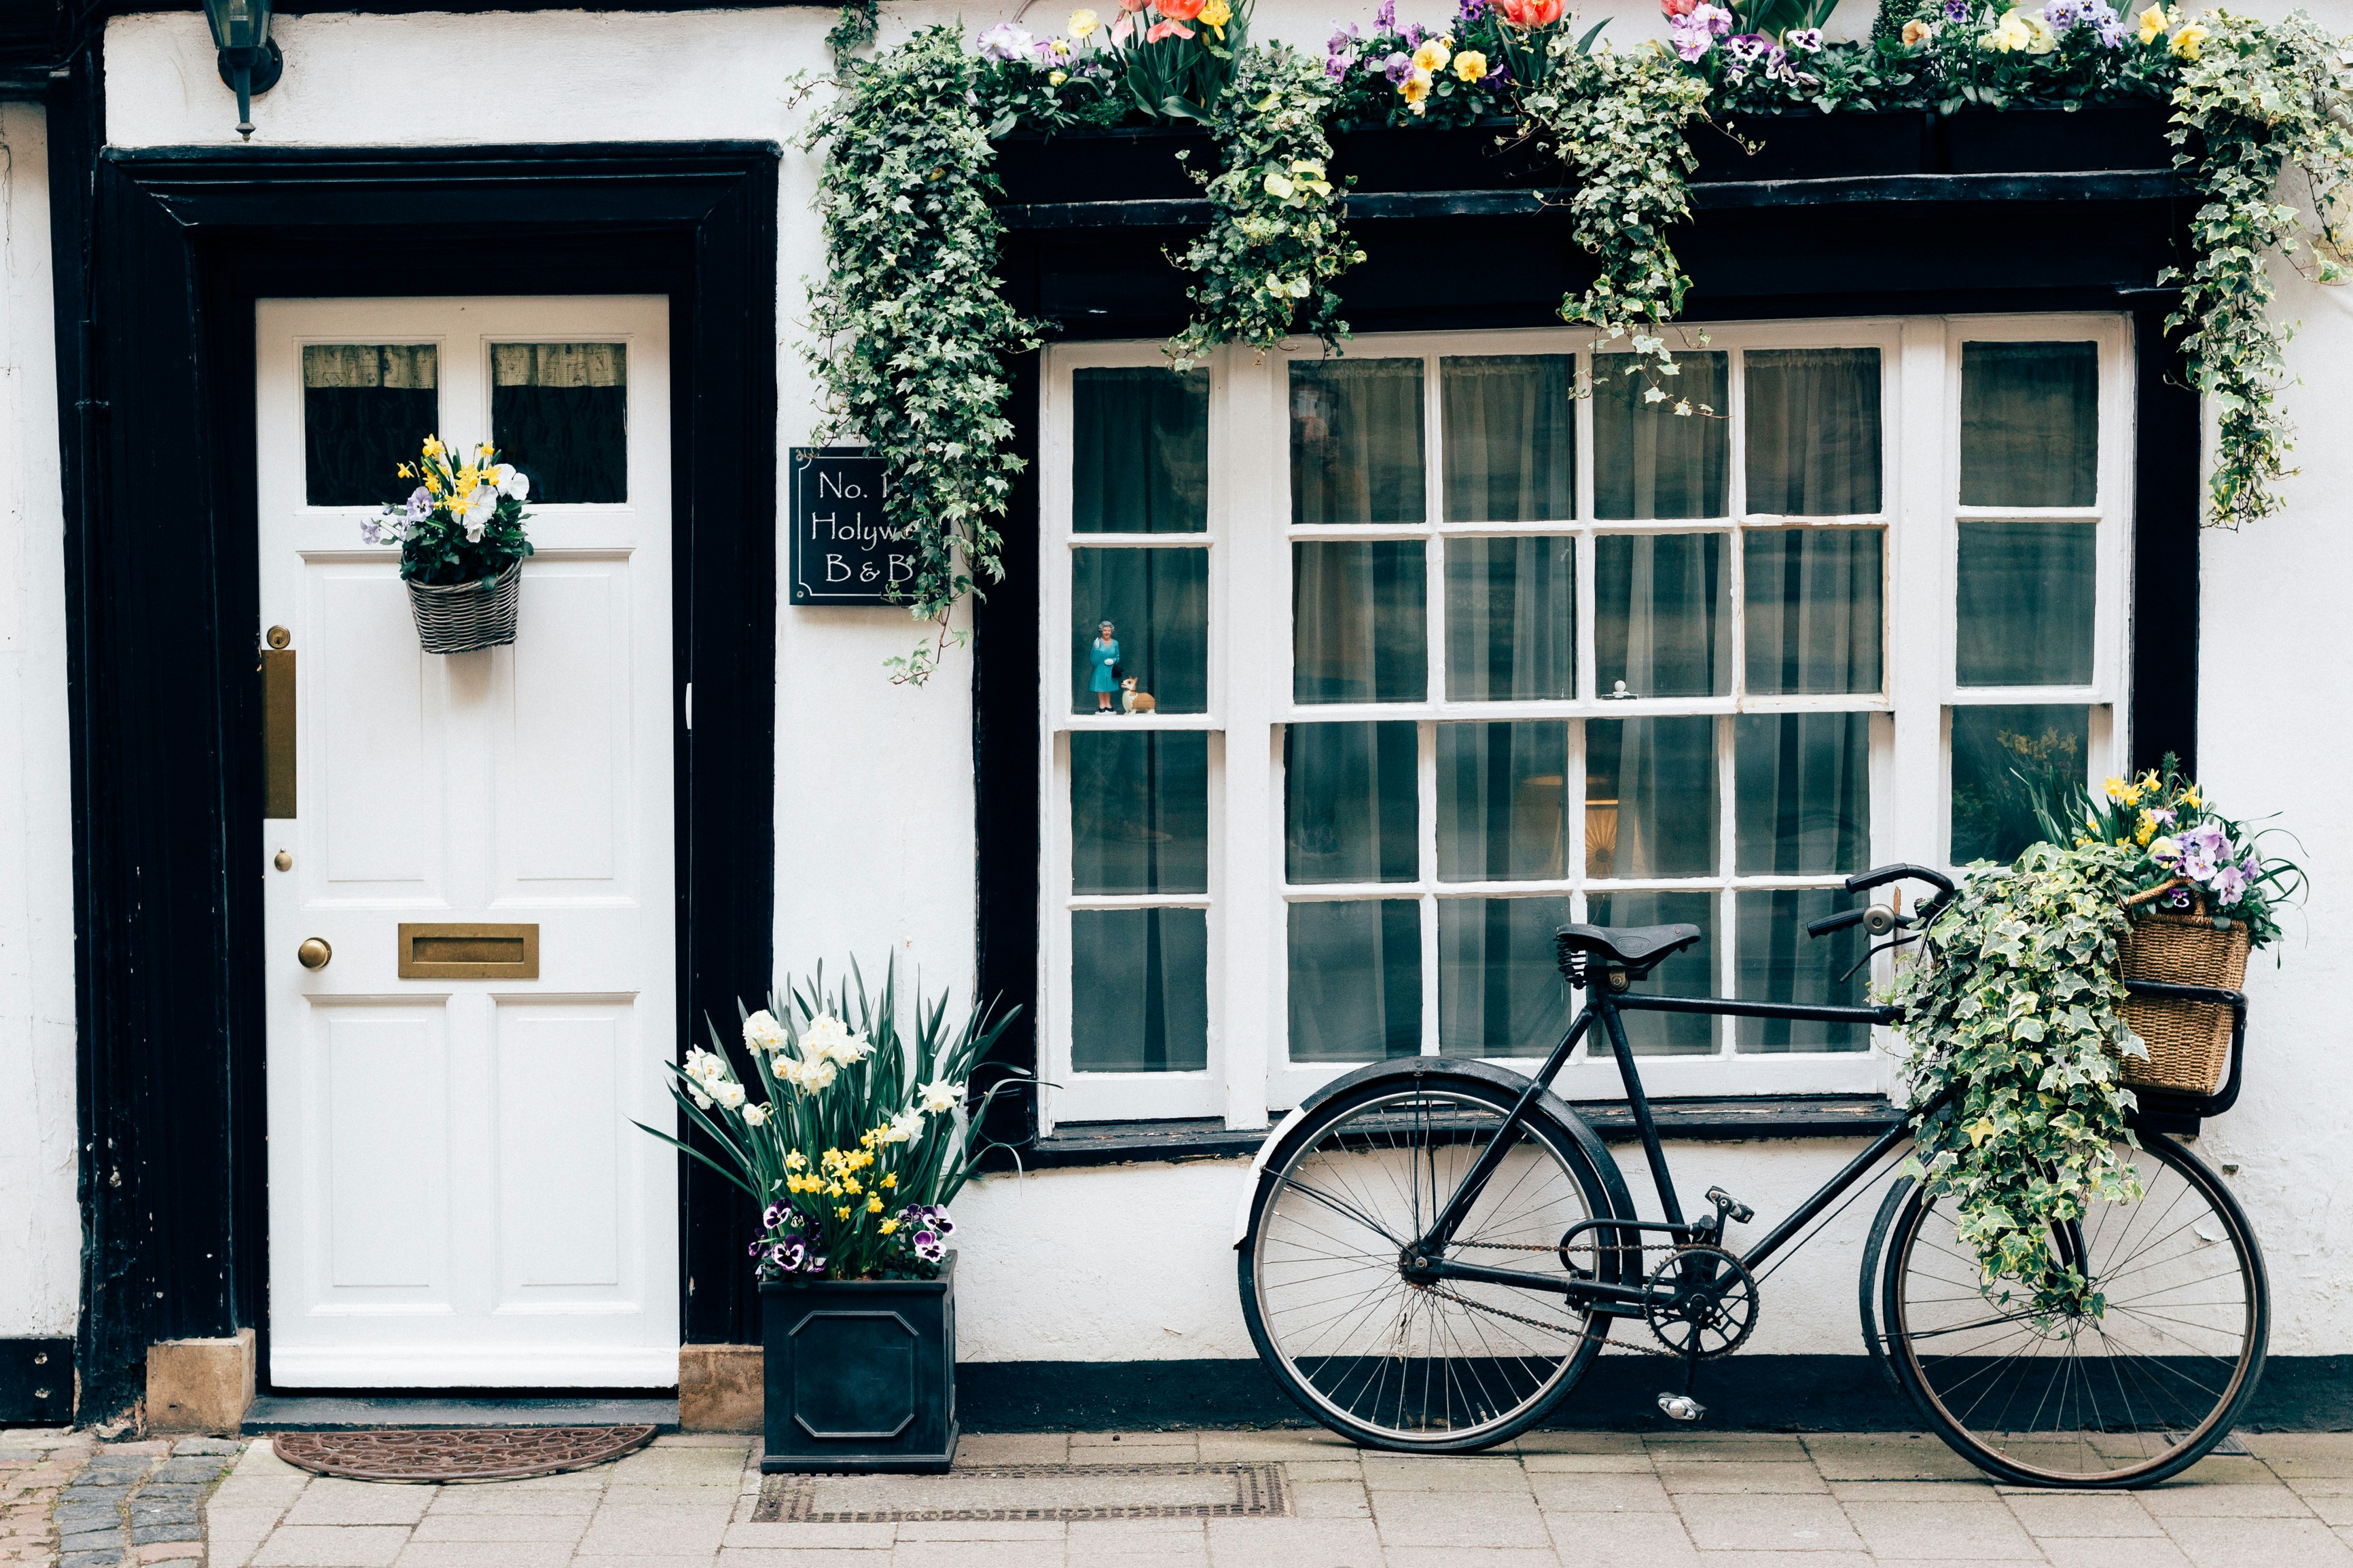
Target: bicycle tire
(2124,1399)
(1464,1403)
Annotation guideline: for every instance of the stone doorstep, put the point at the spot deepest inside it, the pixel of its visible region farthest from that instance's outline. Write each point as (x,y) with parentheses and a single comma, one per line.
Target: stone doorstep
(721,1388)
(200,1386)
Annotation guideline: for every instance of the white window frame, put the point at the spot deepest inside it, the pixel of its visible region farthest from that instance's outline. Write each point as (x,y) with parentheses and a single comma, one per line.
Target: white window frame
(1248,1077)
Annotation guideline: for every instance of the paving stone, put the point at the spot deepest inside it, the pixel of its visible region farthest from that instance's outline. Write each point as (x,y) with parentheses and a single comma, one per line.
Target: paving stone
(565,1528)
(1783,1560)
(76,1516)
(1868,1457)
(812,1537)
(201,1471)
(239,1523)
(638,1532)
(981,1530)
(1293,1543)
(143,1534)
(1753,1447)
(2333,1509)
(1970,1525)
(1135,1439)
(106,1559)
(2259,1543)
(1621,1540)
(1457,1519)
(1432,1473)
(228,1446)
(83,1492)
(332,1546)
(170,1511)
(1012,1448)
(2179,1500)
(512,1497)
(1313,1443)
(1580,1443)
(1602,1492)
(91,1540)
(485,1554)
(164,1491)
(1470,1557)
(1739,1476)
(2105,1516)
(978,1554)
(1307,1472)
(1767,1522)
(171,1552)
(1321,1499)
(801,1557)
(1563,1464)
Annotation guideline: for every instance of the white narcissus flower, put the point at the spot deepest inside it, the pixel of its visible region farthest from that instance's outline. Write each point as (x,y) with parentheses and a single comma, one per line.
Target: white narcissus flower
(941,1096)
(824,1031)
(702,1100)
(730,1094)
(756,1115)
(906,1127)
(763,1033)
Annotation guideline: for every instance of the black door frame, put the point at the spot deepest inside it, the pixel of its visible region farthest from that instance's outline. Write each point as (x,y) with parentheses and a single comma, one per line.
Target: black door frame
(161,254)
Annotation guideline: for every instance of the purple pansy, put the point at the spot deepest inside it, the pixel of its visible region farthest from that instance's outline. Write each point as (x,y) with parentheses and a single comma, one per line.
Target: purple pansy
(1809,40)
(1385,19)
(1396,68)
(1956,10)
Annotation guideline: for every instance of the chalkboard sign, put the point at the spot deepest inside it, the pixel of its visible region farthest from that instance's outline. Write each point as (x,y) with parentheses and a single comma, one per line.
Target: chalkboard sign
(841,552)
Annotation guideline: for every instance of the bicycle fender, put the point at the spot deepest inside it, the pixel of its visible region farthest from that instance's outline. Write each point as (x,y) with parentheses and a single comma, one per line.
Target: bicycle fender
(1580,1131)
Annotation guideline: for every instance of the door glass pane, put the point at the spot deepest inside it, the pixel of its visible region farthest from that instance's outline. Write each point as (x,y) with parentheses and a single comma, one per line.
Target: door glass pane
(1661,616)
(1503,806)
(1511,618)
(2026,604)
(1777,962)
(1355,441)
(1139,990)
(1140,812)
(1510,433)
(1649,461)
(1355,980)
(2003,757)
(1358,628)
(1499,991)
(1158,601)
(1813,606)
(1650,797)
(1691,972)
(367,409)
(1801,796)
(1140,458)
(560,412)
(2030,424)
(1350,808)
(1813,432)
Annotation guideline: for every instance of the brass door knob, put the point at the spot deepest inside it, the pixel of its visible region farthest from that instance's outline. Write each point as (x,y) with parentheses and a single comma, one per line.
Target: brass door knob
(314,953)
(283,860)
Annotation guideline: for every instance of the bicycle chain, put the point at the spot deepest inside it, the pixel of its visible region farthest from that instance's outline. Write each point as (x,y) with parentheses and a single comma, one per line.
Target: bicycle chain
(1587,1332)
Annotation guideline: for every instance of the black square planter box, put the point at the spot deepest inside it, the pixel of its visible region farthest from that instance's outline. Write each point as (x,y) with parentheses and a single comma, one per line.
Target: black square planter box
(861,1373)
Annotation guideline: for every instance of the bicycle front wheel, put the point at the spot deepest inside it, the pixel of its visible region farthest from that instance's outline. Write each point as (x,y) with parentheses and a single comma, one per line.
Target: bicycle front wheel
(2124,1396)
(1435,1366)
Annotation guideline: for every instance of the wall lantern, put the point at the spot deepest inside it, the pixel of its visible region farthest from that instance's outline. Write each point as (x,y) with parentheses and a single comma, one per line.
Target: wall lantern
(250,62)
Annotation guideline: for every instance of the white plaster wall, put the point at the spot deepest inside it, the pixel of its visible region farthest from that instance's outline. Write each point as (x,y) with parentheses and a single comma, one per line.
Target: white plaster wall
(40,1224)
(874,799)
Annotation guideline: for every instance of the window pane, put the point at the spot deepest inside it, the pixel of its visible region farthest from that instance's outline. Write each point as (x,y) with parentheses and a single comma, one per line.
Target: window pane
(1140,812)
(1158,601)
(1499,991)
(1813,431)
(2030,424)
(1649,461)
(1358,628)
(1503,807)
(560,412)
(1140,457)
(1355,980)
(1511,618)
(1802,799)
(366,408)
(2026,604)
(1355,441)
(1691,972)
(1777,962)
(1661,616)
(2001,758)
(1140,990)
(1350,807)
(1510,437)
(1650,797)
(1813,606)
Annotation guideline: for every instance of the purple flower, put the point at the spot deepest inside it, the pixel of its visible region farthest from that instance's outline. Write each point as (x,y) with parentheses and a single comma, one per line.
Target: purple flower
(2202,849)
(1385,19)
(773,1216)
(1340,50)
(2230,885)
(1413,35)
(2179,898)
(1692,43)
(1956,10)
(1396,68)
(2163,814)
(1748,48)
(420,504)
(928,1247)
(1470,10)
(1006,41)
(1809,40)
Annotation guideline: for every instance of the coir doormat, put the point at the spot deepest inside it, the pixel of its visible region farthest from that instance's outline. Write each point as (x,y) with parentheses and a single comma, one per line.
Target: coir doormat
(1237,1490)
(466,1454)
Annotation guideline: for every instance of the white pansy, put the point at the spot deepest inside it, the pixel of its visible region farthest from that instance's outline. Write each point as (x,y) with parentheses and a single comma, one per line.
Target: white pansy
(941,1095)
(906,1127)
(730,1094)
(512,481)
(481,503)
(763,1033)
(756,1115)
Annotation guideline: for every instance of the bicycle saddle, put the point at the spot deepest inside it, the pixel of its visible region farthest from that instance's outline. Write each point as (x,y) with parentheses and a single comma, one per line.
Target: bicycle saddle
(1625,947)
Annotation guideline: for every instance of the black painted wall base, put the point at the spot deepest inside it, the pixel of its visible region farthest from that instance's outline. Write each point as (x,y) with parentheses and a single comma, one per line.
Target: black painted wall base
(1745,1393)
(36,1383)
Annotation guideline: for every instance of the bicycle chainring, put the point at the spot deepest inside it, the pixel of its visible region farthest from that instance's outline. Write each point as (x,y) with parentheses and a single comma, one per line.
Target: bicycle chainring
(1702,1303)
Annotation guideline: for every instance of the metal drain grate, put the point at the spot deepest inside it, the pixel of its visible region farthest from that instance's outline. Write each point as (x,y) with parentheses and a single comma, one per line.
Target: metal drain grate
(1238,1490)
(458,1453)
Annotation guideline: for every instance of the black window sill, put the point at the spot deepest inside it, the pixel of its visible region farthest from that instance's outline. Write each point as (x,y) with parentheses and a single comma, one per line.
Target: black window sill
(1709,1120)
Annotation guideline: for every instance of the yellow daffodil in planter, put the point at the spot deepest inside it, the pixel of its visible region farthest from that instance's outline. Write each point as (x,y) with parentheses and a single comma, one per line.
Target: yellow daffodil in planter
(461,546)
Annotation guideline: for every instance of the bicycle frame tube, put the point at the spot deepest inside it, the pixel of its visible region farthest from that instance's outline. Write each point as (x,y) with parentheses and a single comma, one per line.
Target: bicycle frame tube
(1474,1180)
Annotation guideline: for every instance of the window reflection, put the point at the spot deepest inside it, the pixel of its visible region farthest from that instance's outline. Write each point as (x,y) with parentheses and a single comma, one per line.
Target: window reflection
(367,409)
(1355,980)
(1140,458)
(1355,441)
(560,412)
(1139,990)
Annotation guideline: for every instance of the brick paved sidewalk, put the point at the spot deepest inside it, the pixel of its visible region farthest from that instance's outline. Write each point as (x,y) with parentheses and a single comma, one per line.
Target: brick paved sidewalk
(34,1467)
(1558,1500)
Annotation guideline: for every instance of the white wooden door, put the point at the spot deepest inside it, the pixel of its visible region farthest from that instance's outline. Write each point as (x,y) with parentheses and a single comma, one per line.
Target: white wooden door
(457,1198)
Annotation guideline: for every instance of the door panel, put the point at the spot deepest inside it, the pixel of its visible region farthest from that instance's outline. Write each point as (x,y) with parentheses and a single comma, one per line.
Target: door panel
(456,1196)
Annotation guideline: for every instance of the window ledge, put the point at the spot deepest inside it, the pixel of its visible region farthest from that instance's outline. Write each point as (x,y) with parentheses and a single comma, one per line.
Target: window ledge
(1711,1120)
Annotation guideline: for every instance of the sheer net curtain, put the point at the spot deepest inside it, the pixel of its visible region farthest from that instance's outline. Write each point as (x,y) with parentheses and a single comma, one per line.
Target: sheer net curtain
(1509,456)
(366,407)
(1351,815)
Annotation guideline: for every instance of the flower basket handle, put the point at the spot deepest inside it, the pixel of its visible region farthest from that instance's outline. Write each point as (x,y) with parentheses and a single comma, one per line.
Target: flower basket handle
(2198,900)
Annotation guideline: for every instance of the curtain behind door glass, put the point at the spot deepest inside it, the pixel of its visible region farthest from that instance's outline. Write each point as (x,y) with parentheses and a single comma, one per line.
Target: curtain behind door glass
(560,412)
(1650,797)
(1661,614)
(1355,441)
(1139,990)
(1649,461)
(367,409)
(1503,804)
(1510,436)
(1499,991)
(1813,431)
(1801,794)
(2030,424)
(2025,605)
(1511,618)
(1140,457)
(1358,621)
(1813,605)
(1158,603)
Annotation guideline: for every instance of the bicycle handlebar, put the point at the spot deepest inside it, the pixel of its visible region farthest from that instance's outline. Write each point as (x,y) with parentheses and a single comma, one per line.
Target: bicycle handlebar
(1862,881)
(1839,921)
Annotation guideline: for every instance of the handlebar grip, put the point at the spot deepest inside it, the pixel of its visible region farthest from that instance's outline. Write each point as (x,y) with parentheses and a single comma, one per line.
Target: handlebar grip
(1839,922)
(1878,876)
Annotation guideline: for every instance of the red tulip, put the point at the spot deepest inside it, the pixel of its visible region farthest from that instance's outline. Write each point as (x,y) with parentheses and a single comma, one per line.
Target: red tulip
(1166,30)
(1543,12)
(1679,7)
(1131,4)
(1178,10)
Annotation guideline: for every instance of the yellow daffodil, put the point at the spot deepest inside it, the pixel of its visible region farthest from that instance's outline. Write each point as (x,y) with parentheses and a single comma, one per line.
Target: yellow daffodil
(1215,16)
(2146,830)
(2186,41)
(887,1227)
(1056,79)
(1084,23)
(2114,787)
(433,448)
(842,1213)
(874,1204)
(1432,55)
(2153,24)
(890,1180)
(1471,65)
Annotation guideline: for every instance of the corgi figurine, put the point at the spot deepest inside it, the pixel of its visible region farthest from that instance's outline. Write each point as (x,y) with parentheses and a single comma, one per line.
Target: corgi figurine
(1131,700)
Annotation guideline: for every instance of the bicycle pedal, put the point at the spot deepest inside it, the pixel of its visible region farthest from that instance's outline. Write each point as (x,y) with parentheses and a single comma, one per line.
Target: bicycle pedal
(1730,1207)
(1681,1407)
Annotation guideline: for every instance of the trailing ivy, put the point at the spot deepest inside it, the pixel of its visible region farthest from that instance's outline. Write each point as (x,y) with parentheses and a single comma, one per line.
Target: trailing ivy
(911,332)
(1275,245)
(2255,99)
(2014,1000)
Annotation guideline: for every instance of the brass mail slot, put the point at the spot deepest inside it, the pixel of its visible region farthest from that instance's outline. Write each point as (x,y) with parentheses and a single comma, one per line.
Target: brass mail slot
(469,953)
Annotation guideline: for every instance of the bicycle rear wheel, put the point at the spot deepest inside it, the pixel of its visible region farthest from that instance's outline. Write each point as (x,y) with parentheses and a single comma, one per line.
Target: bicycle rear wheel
(2124,1398)
(1436,1366)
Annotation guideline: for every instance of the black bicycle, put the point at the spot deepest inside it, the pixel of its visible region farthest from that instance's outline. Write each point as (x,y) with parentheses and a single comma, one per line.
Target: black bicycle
(1435,1250)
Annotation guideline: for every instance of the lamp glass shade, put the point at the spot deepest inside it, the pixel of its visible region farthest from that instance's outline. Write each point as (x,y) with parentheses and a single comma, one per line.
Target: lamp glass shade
(239,24)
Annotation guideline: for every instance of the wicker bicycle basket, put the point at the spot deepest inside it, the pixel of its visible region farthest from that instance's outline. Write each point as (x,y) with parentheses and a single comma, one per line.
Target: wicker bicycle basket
(2189,1042)
(465,617)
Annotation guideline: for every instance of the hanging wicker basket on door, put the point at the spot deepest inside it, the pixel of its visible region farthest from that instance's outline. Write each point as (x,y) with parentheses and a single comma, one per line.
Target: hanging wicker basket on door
(467,617)
(2189,1042)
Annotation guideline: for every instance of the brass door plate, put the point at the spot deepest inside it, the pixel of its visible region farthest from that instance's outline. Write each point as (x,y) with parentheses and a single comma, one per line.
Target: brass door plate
(278,728)
(468,951)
